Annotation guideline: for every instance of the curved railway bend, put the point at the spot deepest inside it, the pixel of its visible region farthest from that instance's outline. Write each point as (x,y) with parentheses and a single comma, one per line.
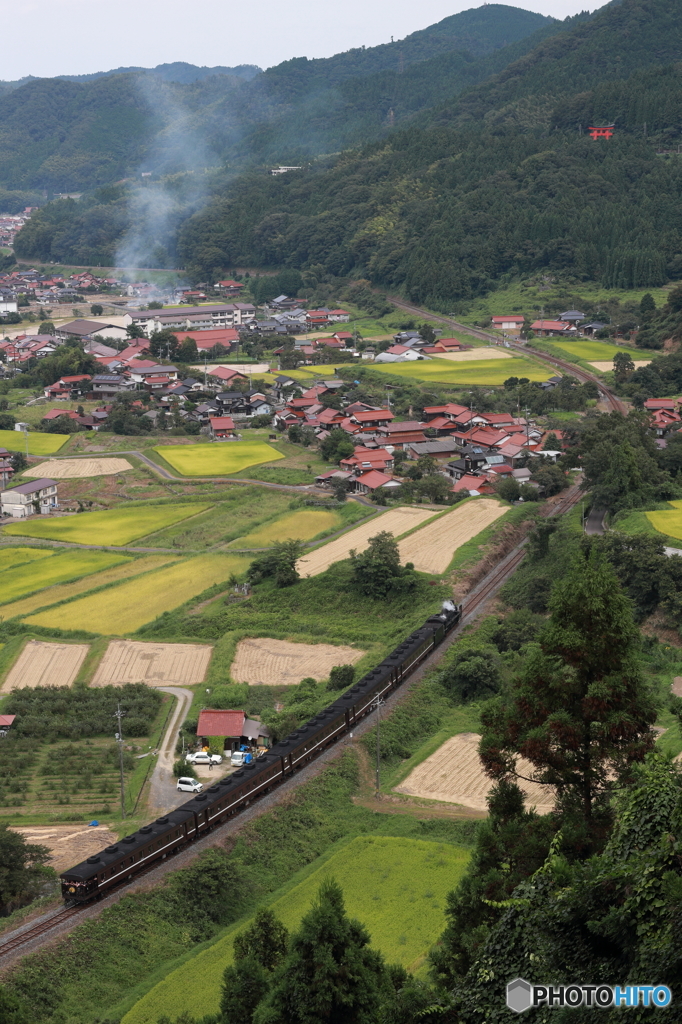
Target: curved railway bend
(610,399)
(51,926)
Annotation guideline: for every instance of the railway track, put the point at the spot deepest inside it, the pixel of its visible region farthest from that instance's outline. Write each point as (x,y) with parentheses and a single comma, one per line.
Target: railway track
(583,376)
(39,930)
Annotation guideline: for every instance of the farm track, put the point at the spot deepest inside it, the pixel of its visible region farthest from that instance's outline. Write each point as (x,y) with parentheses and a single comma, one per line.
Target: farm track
(28,939)
(614,403)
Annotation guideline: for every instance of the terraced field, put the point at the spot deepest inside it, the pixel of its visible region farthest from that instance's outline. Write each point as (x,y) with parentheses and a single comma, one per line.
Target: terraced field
(124,608)
(397,887)
(303,524)
(223,458)
(20,580)
(116,527)
(18,556)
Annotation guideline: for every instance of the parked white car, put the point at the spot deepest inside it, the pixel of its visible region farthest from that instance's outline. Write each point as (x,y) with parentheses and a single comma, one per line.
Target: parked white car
(203,758)
(187,785)
(239,758)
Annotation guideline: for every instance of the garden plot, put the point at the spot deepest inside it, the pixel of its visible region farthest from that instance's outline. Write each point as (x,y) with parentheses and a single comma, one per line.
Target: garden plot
(265,661)
(68,844)
(397,522)
(45,664)
(63,469)
(116,527)
(431,548)
(128,661)
(124,608)
(454,774)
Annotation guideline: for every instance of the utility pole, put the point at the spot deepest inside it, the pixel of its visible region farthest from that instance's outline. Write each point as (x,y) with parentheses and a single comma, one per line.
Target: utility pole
(118,714)
(378,703)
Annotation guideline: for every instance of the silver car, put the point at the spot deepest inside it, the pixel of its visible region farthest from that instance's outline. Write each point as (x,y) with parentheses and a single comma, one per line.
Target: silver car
(187,785)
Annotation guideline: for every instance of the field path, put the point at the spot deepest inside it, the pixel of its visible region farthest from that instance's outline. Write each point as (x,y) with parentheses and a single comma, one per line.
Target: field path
(163,796)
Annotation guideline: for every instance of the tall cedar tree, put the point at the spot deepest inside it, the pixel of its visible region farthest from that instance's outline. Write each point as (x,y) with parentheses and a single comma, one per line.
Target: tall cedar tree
(257,952)
(377,571)
(580,712)
(330,976)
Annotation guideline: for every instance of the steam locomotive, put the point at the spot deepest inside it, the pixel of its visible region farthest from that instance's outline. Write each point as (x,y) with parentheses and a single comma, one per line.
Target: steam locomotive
(171,832)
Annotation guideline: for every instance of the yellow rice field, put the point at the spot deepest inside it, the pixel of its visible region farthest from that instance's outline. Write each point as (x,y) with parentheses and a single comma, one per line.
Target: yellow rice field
(65,591)
(19,556)
(115,527)
(25,579)
(303,524)
(125,608)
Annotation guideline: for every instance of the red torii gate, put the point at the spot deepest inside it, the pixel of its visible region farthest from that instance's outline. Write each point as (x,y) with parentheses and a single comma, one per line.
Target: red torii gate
(603,132)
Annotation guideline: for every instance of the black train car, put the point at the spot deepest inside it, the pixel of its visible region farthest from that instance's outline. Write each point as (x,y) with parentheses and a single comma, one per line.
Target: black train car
(169,833)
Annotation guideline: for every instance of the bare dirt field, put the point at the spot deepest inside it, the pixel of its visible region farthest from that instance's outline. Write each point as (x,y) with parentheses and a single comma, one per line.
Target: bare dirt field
(261,660)
(62,469)
(431,548)
(128,661)
(69,844)
(397,522)
(252,368)
(45,664)
(604,365)
(476,355)
(454,774)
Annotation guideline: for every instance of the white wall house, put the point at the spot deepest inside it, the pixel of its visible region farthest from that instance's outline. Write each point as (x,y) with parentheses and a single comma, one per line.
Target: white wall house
(18,501)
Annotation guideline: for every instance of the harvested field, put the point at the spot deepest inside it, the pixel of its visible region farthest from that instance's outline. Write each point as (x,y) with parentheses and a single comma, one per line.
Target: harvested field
(604,367)
(65,591)
(68,844)
(128,661)
(125,608)
(69,565)
(303,524)
(264,661)
(397,522)
(222,458)
(476,355)
(454,774)
(431,548)
(115,527)
(45,664)
(62,469)
(19,556)
(38,444)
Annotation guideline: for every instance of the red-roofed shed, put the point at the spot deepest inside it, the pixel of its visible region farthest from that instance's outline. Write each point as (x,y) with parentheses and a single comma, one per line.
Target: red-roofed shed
(227,724)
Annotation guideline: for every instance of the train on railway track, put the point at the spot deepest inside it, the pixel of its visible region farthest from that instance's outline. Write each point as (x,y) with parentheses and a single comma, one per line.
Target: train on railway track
(133,854)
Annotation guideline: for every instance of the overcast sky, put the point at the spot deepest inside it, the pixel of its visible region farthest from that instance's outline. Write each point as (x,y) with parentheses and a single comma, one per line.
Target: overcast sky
(74,37)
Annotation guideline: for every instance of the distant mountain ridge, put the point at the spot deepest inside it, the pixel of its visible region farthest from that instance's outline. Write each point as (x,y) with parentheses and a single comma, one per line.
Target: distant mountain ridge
(178,71)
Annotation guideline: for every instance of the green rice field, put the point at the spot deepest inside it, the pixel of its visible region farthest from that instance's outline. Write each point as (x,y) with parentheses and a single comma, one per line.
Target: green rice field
(303,524)
(38,444)
(396,887)
(220,459)
(70,565)
(597,351)
(124,608)
(116,527)
(19,556)
(483,371)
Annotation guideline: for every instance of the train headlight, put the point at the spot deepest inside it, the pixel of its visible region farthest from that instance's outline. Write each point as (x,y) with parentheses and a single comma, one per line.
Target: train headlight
(72,888)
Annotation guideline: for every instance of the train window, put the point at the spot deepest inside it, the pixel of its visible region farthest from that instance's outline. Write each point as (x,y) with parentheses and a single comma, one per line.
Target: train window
(177,832)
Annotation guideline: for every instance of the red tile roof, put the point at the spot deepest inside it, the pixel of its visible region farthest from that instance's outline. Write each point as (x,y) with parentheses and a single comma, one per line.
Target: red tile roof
(549,325)
(220,723)
(374,479)
(374,417)
(221,422)
(224,374)
(6,721)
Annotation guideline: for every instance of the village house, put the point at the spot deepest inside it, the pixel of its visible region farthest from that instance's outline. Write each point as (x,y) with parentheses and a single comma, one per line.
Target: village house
(29,499)
(6,467)
(221,428)
(512,322)
(233,728)
(69,387)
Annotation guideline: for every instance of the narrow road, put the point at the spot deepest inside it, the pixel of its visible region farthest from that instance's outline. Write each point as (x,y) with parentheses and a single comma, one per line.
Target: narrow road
(608,396)
(163,795)
(595,522)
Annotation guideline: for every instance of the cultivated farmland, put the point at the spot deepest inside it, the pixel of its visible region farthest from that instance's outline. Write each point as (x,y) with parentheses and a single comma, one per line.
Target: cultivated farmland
(45,664)
(667,521)
(265,661)
(397,522)
(303,524)
(591,349)
(117,527)
(126,607)
(63,469)
(219,459)
(24,579)
(396,887)
(65,591)
(483,371)
(38,444)
(476,355)
(454,774)
(128,661)
(431,547)
(604,367)
(19,556)
(68,844)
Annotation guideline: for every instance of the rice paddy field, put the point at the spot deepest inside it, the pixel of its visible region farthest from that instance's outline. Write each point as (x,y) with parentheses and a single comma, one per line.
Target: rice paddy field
(445,371)
(19,556)
(590,350)
(65,591)
(668,522)
(20,580)
(124,608)
(395,886)
(38,444)
(116,527)
(219,459)
(302,524)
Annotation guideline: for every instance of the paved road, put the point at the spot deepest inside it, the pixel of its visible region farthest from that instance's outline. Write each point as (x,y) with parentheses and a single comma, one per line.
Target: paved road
(595,522)
(163,796)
